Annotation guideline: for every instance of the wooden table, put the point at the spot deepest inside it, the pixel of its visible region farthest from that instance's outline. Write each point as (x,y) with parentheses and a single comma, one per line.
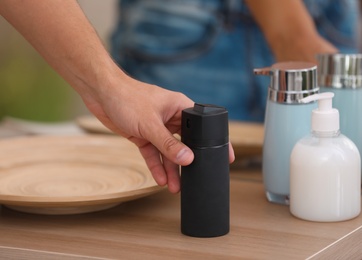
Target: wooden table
(149,228)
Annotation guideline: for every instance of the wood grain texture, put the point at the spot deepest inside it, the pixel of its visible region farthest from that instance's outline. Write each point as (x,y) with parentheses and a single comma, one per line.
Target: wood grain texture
(71,174)
(149,228)
(10,253)
(347,247)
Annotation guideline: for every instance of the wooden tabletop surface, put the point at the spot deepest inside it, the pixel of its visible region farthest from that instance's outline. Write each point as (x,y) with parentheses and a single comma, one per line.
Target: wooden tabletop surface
(149,228)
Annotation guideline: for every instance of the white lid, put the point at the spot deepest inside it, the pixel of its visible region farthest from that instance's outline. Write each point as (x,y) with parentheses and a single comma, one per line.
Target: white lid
(324,118)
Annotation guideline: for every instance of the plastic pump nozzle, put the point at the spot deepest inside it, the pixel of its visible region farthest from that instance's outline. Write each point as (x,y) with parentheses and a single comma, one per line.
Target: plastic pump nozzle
(325,118)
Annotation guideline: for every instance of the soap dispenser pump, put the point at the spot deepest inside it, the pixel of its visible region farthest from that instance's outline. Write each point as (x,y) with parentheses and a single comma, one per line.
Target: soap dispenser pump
(286,121)
(325,169)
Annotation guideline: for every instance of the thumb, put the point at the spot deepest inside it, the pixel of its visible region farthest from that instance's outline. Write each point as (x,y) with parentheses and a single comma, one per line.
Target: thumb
(170,146)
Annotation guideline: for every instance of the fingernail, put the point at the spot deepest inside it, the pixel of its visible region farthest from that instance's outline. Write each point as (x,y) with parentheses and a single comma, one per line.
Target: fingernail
(183,157)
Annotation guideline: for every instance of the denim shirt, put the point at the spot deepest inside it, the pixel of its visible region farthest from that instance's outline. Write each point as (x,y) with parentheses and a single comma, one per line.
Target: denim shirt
(207,49)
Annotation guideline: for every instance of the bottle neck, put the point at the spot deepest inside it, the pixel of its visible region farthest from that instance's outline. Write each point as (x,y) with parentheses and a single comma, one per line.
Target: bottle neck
(326,134)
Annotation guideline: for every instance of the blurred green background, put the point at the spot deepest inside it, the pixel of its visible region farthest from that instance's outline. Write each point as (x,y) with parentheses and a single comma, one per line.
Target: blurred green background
(29,88)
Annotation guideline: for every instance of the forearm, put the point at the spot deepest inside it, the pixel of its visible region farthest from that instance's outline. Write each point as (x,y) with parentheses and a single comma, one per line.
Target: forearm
(289,29)
(282,18)
(61,33)
(145,114)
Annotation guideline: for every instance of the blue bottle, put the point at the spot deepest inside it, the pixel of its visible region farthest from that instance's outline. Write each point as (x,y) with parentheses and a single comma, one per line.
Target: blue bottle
(342,75)
(286,121)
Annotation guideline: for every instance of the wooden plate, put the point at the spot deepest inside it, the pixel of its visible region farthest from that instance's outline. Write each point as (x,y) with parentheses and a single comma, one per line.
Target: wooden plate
(71,174)
(92,125)
(246,138)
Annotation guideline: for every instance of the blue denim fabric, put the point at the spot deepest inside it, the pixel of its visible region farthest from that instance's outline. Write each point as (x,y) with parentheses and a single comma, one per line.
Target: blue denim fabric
(208,50)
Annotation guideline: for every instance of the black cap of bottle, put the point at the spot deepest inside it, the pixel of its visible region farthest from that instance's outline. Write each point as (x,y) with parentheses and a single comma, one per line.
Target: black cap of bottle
(205,126)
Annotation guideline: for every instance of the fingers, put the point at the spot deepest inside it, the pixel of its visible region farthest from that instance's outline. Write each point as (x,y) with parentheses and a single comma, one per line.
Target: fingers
(231,153)
(153,161)
(173,175)
(166,171)
(168,145)
(163,171)
(173,153)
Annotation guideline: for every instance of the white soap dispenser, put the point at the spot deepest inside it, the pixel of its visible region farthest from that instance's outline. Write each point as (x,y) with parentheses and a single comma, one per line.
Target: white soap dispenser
(325,169)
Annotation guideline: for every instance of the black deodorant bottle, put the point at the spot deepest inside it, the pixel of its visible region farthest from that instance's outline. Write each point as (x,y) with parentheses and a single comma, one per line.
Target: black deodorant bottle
(205,183)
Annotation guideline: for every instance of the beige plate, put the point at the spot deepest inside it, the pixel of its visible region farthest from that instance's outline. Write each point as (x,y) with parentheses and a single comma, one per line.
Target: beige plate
(92,125)
(246,138)
(71,174)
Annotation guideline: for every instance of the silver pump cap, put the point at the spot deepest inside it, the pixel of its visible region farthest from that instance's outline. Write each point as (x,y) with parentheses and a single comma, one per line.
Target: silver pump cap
(340,70)
(290,81)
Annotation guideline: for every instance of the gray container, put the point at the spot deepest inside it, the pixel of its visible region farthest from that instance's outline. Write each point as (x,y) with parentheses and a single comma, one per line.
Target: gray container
(342,75)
